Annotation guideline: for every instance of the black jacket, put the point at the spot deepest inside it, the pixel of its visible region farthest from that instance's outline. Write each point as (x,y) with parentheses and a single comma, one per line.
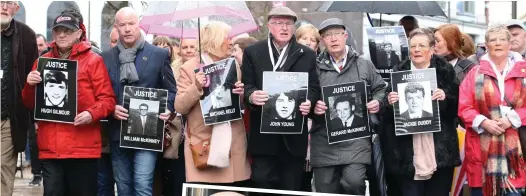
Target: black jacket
(25,52)
(398,150)
(256,59)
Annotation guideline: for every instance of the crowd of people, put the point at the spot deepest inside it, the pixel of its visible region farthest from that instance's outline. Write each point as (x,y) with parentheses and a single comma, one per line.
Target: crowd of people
(483,92)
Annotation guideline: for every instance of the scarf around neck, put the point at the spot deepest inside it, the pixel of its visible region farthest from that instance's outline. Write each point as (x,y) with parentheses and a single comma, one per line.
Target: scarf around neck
(501,155)
(128,72)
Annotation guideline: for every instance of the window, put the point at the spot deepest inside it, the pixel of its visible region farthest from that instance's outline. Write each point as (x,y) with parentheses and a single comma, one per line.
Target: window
(376,23)
(20,16)
(469,7)
(54,10)
(107,20)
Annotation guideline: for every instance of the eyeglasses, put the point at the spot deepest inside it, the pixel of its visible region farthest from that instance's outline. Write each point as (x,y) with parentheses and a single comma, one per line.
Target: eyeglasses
(282,24)
(421,46)
(335,35)
(64,30)
(9,4)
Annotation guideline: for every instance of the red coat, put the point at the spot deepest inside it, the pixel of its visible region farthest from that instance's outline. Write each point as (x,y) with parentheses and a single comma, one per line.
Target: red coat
(94,94)
(468,110)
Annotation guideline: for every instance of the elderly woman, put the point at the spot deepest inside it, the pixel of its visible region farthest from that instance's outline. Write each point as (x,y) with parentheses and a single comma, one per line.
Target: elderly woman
(449,44)
(492,106)
(423,164)
(236,170)
(308,35)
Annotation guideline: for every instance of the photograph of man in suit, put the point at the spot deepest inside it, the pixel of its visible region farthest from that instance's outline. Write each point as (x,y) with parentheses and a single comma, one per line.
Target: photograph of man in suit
(345,107)
(144,122)
(55,88)
(414,98)
(392,58)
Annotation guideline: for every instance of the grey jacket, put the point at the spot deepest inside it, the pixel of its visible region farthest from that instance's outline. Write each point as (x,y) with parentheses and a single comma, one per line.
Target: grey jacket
(355,151)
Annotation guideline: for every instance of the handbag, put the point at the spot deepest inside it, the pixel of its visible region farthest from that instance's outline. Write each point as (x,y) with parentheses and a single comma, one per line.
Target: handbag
(199,150)
(172,137)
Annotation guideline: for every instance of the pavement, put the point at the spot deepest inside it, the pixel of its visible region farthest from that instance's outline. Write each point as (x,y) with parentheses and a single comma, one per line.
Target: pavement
(22,187)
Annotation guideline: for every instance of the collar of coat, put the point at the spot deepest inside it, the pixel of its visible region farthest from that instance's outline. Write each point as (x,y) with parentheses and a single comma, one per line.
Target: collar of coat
(78,48)
(10,29)
(324,60)
(437,62)
(517,71)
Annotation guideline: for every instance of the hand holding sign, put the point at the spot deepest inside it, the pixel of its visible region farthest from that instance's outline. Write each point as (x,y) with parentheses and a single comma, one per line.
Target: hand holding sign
(83,118)
(438,94)
(305,108)
(200,79)
(239,88)
(320,108)
(34,78)
(165,116)
(259,97)
(373,106)
(393,97)
(120,113)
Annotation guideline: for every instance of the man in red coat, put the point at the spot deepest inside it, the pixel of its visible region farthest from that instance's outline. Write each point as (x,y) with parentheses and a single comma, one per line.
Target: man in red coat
(69,152)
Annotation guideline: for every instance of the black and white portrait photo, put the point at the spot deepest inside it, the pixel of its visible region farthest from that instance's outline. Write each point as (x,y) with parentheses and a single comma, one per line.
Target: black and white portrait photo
(218,103)
(55,88)
(415,112)
(415,100)
(345,107)
(56,95)
(346,118)
(143,129)
(285,105)
(221,93)
(143,117)
(286,91)
(388,47)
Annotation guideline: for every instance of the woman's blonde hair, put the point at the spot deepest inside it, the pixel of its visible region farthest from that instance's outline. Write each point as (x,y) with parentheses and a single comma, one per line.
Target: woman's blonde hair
(213,35)
(308,28)
(165,40)
(498,28)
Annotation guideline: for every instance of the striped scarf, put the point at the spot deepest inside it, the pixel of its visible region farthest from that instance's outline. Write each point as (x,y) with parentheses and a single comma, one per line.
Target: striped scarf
(501,155)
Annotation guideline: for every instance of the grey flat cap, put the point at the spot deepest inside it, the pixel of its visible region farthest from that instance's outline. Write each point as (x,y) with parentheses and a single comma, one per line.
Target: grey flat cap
(282,11)
(331,22)
(515,23)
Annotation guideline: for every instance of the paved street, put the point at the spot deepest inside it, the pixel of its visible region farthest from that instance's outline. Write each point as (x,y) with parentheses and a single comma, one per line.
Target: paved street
(22,187)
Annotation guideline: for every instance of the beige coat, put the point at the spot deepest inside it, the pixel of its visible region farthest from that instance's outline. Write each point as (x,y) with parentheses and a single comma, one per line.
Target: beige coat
(187,103)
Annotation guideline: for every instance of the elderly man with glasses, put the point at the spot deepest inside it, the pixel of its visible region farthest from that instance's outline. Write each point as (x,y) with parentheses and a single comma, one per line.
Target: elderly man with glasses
(341,64)
(278,160)
(19,50)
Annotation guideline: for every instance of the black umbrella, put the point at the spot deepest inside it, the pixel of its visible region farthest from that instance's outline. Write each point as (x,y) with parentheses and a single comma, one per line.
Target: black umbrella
(423,8)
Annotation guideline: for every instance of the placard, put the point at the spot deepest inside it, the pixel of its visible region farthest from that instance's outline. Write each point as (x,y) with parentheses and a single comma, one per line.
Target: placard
(218,103)
(143,129)
(388,47)
(56,95)
(286,91)
(415,112)
(346,117)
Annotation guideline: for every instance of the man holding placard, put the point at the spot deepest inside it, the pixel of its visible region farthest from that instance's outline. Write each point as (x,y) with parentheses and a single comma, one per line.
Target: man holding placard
(69,131)
(346,79)
(278,159)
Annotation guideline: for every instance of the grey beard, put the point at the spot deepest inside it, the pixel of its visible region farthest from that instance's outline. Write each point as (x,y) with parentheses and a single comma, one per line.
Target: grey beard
(5,20)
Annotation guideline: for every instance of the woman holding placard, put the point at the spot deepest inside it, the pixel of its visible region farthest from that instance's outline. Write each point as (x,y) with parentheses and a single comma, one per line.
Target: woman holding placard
(492,106)
(232,167)
(422,164)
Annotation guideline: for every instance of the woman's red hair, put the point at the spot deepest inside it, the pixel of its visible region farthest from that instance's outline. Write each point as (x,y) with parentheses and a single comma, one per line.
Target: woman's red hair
(453,38)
